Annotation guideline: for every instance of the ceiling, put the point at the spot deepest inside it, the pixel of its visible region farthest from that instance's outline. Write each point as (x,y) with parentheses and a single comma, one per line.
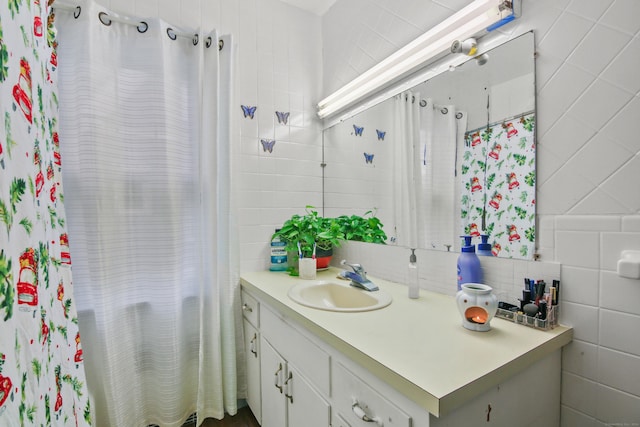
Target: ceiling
(319,7)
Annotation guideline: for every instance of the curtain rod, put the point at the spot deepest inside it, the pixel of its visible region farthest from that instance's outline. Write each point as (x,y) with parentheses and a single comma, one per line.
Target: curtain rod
(517,116)
(107,19)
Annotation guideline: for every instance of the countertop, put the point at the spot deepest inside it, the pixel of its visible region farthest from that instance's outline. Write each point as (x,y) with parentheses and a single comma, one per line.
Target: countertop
(418,346)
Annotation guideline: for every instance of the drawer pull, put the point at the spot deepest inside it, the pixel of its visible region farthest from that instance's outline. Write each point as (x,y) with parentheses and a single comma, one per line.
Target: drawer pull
(245,307)
(277,378)
(287,388)
(360,413)
(252,347)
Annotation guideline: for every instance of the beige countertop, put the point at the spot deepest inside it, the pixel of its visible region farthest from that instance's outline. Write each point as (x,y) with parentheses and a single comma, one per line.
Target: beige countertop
(418,346)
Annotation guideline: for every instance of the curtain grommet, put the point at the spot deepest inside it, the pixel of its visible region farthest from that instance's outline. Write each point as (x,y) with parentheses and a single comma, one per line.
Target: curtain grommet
(104,18)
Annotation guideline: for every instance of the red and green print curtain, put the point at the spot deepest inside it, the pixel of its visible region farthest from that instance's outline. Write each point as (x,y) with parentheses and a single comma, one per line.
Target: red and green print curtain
(42,381)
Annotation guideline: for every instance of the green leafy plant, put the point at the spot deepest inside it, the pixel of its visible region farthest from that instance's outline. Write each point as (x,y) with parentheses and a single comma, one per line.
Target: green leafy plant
(309,229)
(362,228)
(327,233)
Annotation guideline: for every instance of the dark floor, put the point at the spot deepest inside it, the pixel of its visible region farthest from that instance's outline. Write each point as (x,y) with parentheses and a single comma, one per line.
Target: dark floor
(244,418)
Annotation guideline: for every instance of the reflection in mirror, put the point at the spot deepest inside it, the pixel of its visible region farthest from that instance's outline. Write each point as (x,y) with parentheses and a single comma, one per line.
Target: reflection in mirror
(453,155)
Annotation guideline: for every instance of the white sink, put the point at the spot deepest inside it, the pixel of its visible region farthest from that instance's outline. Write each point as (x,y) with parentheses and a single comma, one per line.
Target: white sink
(332,296)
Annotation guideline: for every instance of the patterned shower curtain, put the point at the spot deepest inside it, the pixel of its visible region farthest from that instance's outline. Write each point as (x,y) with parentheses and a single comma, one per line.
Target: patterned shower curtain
(498,186)
(42,380)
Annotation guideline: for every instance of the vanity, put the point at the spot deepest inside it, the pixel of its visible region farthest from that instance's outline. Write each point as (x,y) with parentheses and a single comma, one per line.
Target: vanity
(410,363)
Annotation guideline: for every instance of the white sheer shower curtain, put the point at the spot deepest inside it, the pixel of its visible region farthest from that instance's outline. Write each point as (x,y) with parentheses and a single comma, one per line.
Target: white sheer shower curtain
(406,168)
(441,138)
(145,129)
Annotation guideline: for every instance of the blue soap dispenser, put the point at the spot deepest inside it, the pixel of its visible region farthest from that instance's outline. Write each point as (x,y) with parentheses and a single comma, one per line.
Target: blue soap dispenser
(469,269)
(484,248)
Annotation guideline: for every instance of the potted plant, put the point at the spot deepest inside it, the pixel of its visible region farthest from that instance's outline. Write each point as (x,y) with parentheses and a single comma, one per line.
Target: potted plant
(312,231)
(305,233)
(361,228)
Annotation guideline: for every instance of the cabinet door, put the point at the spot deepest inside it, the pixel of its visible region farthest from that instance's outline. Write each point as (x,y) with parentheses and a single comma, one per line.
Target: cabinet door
(305,406)
(272,374)
(252,351)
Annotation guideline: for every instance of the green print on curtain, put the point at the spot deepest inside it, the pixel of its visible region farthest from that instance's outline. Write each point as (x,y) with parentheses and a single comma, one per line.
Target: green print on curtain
(42,380)
(499,186)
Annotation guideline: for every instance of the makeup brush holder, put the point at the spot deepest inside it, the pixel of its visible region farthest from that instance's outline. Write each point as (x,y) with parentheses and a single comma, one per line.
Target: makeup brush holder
(477,305)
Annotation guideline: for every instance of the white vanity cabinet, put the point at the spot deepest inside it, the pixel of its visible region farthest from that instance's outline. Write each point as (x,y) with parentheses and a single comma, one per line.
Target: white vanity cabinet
(325,369)
(251,313)
(294,376)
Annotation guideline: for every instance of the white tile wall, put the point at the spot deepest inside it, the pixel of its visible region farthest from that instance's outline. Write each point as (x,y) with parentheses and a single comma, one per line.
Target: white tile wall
(588,172)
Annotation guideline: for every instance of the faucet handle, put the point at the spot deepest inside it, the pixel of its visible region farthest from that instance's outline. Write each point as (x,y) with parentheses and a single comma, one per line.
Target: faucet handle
(356,268)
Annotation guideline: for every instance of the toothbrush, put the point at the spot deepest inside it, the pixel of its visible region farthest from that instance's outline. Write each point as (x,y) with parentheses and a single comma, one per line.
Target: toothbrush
(313,256)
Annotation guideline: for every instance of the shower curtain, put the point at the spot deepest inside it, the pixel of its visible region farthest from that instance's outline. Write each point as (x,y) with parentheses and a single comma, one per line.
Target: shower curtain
(42,379)
(405,167)
(145,125)
(428,139)
(441,138)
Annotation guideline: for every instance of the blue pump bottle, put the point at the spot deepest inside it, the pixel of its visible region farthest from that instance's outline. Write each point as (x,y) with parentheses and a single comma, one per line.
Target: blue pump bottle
(484,248)
(469,269)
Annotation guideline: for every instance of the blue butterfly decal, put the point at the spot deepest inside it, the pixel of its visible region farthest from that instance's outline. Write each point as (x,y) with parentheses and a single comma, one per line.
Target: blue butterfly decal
(282,117)
(358,130)
(368,158)
(381,135)
(267,144)
(248,111)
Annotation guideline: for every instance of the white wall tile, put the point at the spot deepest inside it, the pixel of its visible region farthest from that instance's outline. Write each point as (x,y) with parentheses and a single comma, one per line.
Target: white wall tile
(621,185)
(619,370)
(600,102)
(560,91)
(583,319)
(618,331)
(581,358)
(580,285)
(569,417)
(618,127)
(578,248)
(631,223)
(612,246)
(589,9)
(619,293)
(622,15)
(579,393)
(607,41)
(587,223)
(615,407)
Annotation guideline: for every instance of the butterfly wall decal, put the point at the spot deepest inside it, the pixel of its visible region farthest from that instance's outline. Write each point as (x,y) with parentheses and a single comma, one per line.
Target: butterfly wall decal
(283,117)
(248,111)
(368,158)
(358,130)
(381,134)
(267,144)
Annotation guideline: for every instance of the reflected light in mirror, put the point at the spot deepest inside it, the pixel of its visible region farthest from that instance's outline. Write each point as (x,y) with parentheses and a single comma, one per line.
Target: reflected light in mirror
(472,20)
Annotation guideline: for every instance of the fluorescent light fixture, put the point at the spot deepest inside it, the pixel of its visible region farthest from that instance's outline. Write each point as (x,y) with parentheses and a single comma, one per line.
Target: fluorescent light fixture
(473,20)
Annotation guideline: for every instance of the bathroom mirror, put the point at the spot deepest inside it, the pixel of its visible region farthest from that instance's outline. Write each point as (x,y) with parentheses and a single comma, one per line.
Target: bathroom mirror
(453,155)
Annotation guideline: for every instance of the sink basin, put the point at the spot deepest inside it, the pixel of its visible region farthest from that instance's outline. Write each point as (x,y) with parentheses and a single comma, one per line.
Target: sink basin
(331,296)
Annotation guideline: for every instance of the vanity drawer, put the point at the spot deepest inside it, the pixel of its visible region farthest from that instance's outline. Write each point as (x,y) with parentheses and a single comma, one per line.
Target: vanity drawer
(298,350)
(250,308)
(354,399)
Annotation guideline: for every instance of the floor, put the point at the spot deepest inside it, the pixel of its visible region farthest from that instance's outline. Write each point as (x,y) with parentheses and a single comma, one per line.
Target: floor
(244,418)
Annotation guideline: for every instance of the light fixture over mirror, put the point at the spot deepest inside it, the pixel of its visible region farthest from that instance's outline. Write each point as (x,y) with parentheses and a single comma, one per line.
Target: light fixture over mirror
(482,183)
(474,20)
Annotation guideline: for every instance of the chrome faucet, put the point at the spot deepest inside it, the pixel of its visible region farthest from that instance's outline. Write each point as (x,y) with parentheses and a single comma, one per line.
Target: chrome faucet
(358,277)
